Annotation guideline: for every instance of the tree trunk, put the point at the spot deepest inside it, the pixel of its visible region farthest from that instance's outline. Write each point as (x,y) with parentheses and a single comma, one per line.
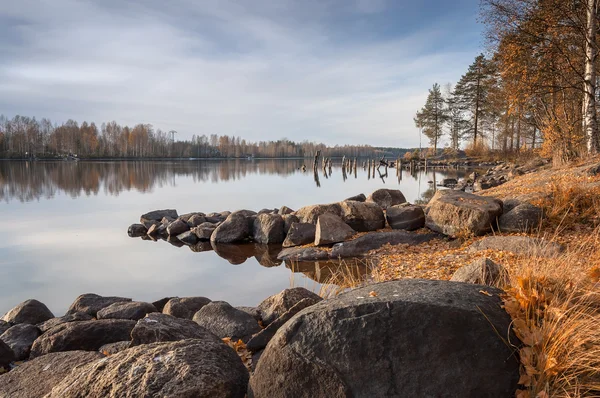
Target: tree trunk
(590,122)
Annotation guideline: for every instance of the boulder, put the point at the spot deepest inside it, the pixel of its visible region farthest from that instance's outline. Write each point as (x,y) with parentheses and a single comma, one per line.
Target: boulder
(510,204)
(300,234)
(185,307)
(521,218)
(449,182)
(6,355)
(387,198)
(148,224)
(91,303)
(160,304)
(188,237)
(4,326)
(20,338)
(362,245)
(113,348)
(196,220)
(332,229)
(275,306)
(410,338)
(36,378)
(482,271)
(362,216)
(158,327)
(454,213)
(158,215)
(29,311)
(285,210)
(253,311)
(268,228)
(235,228)
(137,230)
(50,323)
(524,245)
(223,320)
(288,220)
(303,254)
(177,227)
(408,218)
(82,335)
(310,214)
(204,231)
(133,310)
(357,198)
(189,368)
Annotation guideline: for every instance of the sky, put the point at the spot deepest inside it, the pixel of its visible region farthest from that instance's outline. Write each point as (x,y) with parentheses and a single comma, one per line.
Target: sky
(332,71)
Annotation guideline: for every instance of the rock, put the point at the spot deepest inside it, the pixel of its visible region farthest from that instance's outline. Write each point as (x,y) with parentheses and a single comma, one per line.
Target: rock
(253,311)
(113,348)
(300,234)
(454,213)
(36,378)
(275,306)
(357,198)
(331,229)
(481,185)
(303,254)
(177,227)
(415,338)
(204,231)
(593,170)
(407,218)
(91,303)
(482,271)
(195,220)
(50,323)
(185,307)
(29,311)
(158,327)
(4,326)
(158,215)
(188,237)
(266,255)
(223,320)
(510,204)
(269,228)
(154,229)
(288,220)
(310,214)
(267,211)
(362,216)
(260,340)
(136,230)
(133,310)
(235,228)
(285,210)
(190,368)
(20,338)
(363,245)
(519,245)
(524,217)
(160,304)
(235,254)
(150,223)
(6,355)
(449,182)
(82,335)
(387,198)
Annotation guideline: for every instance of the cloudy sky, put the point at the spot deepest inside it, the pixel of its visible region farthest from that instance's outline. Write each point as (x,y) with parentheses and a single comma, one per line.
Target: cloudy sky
(334,71)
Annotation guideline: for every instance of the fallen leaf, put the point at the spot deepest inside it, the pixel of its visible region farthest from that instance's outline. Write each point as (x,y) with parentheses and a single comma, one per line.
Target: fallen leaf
(486,293)
(373,294)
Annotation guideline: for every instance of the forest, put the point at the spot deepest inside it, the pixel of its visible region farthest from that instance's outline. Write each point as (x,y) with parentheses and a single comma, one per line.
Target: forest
(535,88)
(26,137)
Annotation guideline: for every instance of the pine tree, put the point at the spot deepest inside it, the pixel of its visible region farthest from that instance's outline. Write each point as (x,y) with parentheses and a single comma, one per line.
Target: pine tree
(432,117)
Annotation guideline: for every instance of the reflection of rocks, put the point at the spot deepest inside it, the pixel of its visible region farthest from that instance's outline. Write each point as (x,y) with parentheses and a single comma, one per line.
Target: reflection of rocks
(303,254)
(266,255)
(235,254)
(201,247)
(326,271)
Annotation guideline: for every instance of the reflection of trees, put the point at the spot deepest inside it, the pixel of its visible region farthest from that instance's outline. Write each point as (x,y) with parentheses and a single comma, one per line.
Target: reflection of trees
(26,181)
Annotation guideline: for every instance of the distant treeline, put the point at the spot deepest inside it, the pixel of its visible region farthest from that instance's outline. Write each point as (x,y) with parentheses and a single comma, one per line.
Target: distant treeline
(24,136)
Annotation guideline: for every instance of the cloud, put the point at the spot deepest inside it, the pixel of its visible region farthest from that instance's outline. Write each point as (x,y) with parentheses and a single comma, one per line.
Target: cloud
(332,71)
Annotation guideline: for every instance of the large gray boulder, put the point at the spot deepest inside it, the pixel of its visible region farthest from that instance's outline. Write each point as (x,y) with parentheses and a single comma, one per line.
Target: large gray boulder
(195,220)
(29,311)
(82,335)
(455,213)
(275,306)
(363,245)
(4,326)
(300,234)
(6,355)
(524,245)
(20,338)
(113,348)
(410,338)
(133,310)
(204,231)
(408,218)
(235,228)
(223,320)
(331,229)
(288,220)
(268,228)
(91,303)
(387,198)
(36,378)
(75,316)
(310,214)
(189,368)
(524,217)
(482,271)
(158,215)
(362,216)
(177,227)
(158,327)
(185,307)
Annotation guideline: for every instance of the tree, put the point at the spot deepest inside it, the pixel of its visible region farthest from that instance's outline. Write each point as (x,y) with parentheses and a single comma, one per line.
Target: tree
(432,117)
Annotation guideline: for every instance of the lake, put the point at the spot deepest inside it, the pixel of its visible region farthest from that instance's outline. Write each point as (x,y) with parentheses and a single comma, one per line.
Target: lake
(65,226)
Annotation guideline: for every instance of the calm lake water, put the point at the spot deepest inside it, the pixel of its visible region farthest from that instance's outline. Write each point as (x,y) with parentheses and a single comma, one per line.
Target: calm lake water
(65,226)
